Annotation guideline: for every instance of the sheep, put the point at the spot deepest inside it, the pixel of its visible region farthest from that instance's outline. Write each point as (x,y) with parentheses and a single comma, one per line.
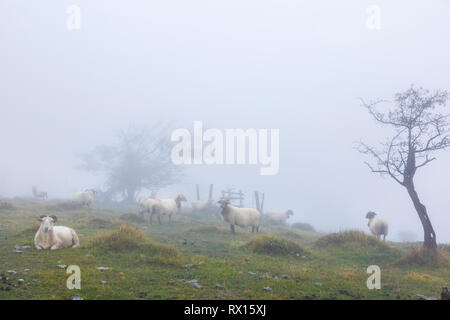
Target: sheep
(167,207)
(84,198)
(243,217)
(377,226)
(146,205)
(39,194)
(54,237)
(278,217)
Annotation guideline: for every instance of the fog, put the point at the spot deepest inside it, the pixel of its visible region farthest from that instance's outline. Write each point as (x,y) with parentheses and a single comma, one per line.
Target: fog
(297,66)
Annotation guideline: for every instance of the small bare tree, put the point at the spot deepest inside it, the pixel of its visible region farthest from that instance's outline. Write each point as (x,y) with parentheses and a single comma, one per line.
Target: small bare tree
(420,130)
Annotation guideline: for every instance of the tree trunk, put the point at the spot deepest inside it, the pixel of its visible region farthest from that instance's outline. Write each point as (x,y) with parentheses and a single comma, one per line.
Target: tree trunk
(429,238)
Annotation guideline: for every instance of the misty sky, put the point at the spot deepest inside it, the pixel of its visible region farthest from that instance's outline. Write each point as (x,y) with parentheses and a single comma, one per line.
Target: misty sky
(299,66)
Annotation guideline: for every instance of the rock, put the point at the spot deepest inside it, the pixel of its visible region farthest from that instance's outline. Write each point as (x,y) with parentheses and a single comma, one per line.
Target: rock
(219,287)
(188,265)
(251,273)
(11,272)
(21,281)
(26,247)
(267,289)
(142,294)
(318,284)
(62,266)
(171,283)
(194,283)
(103,268)
(103,282)
(445,294)
(17,251)
(76,298)
(286,276)
(422,297)
(26,270)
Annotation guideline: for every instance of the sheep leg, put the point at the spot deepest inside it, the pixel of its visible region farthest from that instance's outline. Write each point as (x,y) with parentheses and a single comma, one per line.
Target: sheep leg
(38,247)
(253,229)
(257,229)
(159,219)
(170,218)
(55,247)
(232,229)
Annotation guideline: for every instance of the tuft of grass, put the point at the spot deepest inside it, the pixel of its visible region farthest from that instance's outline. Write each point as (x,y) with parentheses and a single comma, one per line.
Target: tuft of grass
(421,256)
(355,237)
(132,217)
(126,238)
(303,226)
(274,245)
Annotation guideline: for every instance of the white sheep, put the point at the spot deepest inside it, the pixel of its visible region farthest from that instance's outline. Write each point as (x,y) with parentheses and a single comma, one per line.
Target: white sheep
(278,217)
(166,207)
(85,198)
(204,207)
(54,237)
(40,194)
(377,226)
(146,206)
(242,217)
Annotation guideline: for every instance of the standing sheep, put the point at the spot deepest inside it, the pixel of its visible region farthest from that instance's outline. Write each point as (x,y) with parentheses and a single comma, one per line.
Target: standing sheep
(54,237)
(146,206)
(166,207)
(242,217)
(377,226)
(278,217)
(40,194)
(85,198)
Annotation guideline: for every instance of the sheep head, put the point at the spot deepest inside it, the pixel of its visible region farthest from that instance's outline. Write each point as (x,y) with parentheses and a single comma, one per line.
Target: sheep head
(223,203)
(370,215)
(289,213)
(47,222)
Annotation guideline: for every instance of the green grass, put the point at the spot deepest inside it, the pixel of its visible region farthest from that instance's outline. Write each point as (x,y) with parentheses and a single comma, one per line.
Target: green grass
(157,261)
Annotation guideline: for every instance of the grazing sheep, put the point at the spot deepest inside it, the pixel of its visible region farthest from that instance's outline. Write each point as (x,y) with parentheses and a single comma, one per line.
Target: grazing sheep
(243,217)
(278,217)
(54,237)
(377,226)
(40,194)
(85,198)
(166,207)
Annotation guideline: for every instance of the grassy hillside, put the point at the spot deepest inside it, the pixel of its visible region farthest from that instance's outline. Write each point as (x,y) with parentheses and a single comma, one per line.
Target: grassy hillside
(200,259)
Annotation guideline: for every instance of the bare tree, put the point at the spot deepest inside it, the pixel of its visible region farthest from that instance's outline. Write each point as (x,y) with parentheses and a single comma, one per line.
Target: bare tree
(420,129)
(139,160)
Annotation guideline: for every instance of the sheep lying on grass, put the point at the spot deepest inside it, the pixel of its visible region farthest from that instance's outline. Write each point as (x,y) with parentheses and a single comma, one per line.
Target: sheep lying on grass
(278,217)
(166,207)
(242,217)
(54,237)
(377,226)
(85,198)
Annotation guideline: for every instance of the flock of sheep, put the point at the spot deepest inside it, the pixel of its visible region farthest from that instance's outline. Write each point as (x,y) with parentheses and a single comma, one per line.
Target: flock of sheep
(54,237)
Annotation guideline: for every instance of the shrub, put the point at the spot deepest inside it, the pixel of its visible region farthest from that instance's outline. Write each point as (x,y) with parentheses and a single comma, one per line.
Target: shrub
(274,245)
(350,237)
(126,238)
(421,256)
(303,226)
